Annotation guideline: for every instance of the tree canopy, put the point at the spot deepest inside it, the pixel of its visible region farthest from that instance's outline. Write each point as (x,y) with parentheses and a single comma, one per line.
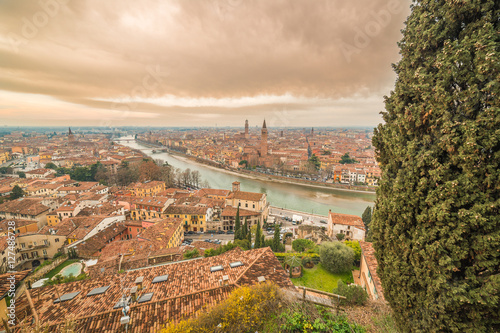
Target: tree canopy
(436,224)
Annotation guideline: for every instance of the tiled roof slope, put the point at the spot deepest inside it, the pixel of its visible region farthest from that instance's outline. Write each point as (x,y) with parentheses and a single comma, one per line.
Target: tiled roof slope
(99,240)
(190,286)
(24,206)
(346,219)
(369,253)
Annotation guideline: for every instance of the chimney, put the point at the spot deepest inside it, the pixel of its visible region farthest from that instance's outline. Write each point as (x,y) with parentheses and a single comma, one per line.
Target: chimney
(138,282)
(133,293)
(236,186)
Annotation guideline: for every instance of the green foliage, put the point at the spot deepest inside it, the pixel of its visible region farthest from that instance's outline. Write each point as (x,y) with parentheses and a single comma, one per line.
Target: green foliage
(336,257)
(258,237)
(58,279)
(21,174)
(229,246)
(319,278)
(301,245)
(367,216)
(436,224)
(306,260)
(237,225)
(270,243)
(51,165)
(276,246)
(8,170)
(340,236)
(297,320)
(315,162)
(346,159)
(194,253)
(354,294)
(246,310)
(16,193)
(57,269)
(72,253)
(356,248)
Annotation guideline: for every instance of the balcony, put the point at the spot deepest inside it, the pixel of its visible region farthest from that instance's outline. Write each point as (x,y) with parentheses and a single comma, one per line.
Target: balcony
(32,247)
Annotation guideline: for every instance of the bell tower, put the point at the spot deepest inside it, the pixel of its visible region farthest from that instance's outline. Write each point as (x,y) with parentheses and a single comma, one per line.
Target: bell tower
(246,129)
(263,140)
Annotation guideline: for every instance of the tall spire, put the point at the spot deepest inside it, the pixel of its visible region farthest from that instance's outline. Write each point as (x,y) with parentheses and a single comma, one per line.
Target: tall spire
(264,125)
(69,133)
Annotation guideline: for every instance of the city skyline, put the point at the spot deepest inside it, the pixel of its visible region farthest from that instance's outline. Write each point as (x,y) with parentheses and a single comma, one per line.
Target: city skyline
(179,64)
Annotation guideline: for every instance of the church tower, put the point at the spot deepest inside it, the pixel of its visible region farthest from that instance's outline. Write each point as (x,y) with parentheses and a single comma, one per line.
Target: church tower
(263,140)
(246,130)
(71,137)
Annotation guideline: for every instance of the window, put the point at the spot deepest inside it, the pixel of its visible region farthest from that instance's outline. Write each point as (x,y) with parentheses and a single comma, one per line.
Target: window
(138,229)
(130,229)
(44,252)
(254,206)
(246,205)
(23,245)
(56,240)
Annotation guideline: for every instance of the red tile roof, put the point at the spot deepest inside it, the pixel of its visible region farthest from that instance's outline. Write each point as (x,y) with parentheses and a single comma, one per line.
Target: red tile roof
(368,253)
(346,219)
(190,286)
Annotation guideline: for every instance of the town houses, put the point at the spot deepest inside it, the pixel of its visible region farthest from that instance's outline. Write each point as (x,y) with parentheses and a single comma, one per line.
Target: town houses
(281,152)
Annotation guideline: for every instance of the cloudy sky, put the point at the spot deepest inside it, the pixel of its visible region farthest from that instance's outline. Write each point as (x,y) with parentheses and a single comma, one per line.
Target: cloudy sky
(197,63)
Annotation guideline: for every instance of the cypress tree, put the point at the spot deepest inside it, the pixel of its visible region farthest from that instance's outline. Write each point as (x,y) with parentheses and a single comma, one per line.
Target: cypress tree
(276,238)
(249,236)
(436,223)
(367,216)
(258,236)
(237,225)
(245,230)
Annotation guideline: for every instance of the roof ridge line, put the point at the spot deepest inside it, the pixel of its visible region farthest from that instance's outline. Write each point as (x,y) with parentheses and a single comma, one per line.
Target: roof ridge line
(258,257)
(144,304)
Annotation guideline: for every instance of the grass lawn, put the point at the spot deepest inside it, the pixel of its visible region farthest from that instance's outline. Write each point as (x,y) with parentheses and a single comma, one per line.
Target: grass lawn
(56,270)
(319,278)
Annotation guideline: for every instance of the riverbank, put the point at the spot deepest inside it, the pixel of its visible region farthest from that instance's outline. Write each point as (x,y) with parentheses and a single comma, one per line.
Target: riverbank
(256,175)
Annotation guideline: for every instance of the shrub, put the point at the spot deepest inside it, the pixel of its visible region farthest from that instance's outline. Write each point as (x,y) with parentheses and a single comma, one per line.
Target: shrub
(301,245)
(244,311)
(191,254)
(336,257)
(340,236)
(354,294)
(356,248)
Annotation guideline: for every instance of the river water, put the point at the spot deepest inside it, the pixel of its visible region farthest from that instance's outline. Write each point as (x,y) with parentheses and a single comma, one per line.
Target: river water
(289,196)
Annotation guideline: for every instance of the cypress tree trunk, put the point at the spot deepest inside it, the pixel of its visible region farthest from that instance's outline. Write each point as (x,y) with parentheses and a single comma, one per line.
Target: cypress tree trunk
(436,225)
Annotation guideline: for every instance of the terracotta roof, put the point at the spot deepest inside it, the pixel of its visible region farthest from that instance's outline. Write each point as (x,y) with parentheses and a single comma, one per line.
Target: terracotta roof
(368,253)
(4,226)
(161,231)
(5,284)
(210,191)
(185,209)
(150,201)
(99,240)
(249,196)
(24,206)
(190,286)
(346,219)
(231,212)
(73,227)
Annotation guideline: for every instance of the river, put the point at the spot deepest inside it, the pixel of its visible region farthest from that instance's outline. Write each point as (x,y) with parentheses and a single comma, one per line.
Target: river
(290,196)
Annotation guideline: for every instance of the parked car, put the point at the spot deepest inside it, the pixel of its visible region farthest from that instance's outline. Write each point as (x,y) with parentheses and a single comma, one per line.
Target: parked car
(221,232)
(230,232)
(188,240)
(207,240)
(323,221)
(190,232)
(217,242)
